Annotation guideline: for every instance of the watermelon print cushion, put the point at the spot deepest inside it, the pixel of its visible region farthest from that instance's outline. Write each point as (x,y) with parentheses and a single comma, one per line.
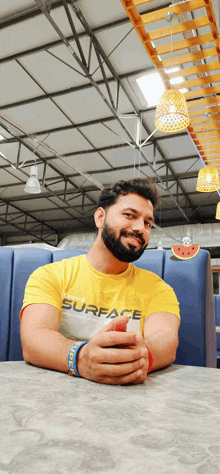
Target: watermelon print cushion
(185,253)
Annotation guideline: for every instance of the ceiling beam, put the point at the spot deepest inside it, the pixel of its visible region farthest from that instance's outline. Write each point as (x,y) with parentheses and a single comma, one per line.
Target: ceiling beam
(185,175)
(70,90)
(27,14)
(36,11)
(101,52)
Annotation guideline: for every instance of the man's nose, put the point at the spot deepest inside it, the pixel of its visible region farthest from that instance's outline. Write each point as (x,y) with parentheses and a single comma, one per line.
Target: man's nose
(139,225)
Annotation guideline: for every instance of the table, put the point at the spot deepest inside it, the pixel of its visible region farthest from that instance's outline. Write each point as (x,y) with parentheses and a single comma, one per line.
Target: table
(51,423)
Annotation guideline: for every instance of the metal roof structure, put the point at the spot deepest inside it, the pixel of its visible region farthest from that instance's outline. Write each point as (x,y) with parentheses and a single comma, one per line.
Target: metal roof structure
(70,104)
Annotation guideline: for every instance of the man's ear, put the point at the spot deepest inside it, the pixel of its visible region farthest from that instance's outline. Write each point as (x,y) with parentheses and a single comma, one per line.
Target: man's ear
(99,217)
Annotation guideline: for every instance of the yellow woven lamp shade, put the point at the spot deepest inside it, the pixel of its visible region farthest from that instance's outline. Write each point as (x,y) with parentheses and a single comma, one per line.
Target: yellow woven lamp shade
(171,113)
(208,180)
(217,215)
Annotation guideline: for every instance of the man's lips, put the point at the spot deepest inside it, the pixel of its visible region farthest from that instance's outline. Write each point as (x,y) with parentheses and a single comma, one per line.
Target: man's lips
(133,239)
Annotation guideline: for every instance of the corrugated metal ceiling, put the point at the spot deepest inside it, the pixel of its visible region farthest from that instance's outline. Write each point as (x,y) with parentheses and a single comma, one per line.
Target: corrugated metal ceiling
(69,103)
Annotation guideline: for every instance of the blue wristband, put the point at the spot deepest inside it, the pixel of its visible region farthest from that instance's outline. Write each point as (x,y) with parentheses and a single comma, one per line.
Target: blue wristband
(72,355)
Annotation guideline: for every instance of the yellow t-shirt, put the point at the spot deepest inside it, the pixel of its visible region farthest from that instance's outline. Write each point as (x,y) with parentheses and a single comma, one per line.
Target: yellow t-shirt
(87,299)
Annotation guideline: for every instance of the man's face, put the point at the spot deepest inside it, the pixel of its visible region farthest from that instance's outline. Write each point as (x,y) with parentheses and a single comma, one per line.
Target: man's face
(126,228)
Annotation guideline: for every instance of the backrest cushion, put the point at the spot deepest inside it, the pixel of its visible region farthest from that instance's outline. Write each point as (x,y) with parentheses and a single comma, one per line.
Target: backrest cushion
(58,255)
(6,259)
(217,319)
(26,260)
(152,260)
(188,278)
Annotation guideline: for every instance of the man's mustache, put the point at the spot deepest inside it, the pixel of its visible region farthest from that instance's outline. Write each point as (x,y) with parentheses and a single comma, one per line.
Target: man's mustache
(133,234)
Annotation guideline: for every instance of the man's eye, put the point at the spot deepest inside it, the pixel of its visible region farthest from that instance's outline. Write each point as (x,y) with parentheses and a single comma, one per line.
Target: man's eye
(128,215)
(148,224)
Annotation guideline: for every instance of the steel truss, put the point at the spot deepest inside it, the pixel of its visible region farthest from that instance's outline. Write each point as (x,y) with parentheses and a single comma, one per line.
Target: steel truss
(84,64)
(112,104)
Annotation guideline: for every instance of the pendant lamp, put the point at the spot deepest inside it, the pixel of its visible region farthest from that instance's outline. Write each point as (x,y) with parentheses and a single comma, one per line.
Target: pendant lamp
(33,185)
(208,180)
(217,215)
(171,112)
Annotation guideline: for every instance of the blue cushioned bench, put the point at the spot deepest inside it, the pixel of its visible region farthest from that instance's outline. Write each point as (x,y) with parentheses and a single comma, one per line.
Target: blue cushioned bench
(190,279)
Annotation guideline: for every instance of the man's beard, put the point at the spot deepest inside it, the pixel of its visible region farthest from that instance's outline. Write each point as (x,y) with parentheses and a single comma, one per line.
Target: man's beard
(115,246)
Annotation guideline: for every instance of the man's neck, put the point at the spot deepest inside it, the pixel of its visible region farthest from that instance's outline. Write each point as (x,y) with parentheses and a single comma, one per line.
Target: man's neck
(103,261)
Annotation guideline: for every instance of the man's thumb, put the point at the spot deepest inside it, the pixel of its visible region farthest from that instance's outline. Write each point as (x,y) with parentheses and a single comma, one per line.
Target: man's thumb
(117,324)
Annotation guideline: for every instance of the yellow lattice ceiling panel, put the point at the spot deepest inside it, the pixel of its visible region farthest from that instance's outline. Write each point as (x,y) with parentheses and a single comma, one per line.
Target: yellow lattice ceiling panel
(197,54)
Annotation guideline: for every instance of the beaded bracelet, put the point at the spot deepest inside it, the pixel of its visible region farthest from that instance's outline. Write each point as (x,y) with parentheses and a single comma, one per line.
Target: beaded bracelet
(72,356)
(151,360)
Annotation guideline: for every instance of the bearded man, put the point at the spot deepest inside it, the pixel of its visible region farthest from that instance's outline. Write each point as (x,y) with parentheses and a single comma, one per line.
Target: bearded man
(98,316)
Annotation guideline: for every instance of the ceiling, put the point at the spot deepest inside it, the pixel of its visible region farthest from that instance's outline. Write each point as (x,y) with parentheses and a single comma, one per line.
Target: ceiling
(70,104)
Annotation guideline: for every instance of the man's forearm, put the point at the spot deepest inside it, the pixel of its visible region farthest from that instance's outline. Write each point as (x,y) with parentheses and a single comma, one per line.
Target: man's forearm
(163,346)
(47,348)
(101,360)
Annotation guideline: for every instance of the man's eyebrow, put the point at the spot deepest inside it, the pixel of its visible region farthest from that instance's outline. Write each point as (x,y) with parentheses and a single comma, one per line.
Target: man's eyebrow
(136,212)
(130,209)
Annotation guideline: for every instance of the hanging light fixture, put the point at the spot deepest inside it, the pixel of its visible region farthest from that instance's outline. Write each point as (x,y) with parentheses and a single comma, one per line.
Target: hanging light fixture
(33,185)
(217,215)
(208,180)
(171,112)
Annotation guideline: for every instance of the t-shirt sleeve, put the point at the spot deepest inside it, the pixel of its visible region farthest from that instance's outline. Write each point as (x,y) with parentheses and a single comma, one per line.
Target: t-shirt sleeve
(163,300)
(43,286)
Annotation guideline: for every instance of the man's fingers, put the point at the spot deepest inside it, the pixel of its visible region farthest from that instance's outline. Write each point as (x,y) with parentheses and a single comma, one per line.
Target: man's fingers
(120,356)
(124,369)
(122,380)
(113,338)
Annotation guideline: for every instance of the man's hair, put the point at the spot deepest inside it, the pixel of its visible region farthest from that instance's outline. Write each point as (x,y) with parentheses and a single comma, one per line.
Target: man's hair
(143,187)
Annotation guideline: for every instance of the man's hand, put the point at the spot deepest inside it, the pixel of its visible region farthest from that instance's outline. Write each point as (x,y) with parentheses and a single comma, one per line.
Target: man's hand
(114,356)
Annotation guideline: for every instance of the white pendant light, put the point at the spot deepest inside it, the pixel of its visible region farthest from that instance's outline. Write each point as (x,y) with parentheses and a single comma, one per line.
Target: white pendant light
(33,185)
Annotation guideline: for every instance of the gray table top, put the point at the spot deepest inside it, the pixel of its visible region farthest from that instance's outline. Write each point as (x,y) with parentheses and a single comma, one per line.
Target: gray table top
(51,423)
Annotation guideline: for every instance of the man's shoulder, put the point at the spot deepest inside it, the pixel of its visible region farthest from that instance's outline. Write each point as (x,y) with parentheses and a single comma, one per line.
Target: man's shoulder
(59,265)
(143,273)
(153,282)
